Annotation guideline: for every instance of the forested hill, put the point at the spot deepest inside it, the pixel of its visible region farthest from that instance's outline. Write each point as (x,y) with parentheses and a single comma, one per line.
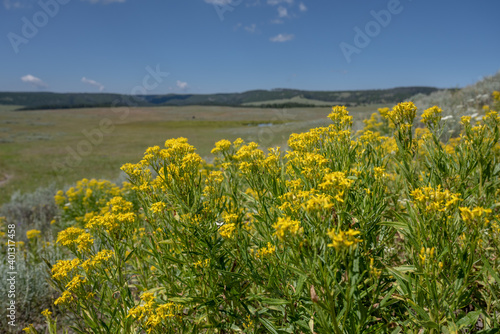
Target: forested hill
(257,98)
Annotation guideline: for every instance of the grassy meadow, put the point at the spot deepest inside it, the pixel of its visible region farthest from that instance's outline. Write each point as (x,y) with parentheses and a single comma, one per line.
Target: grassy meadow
(33,142)
(295,99)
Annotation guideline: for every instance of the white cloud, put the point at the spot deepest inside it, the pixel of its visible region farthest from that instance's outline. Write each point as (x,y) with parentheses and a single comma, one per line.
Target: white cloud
(34,81)
(302,7)
(282,38)
(93,83)
(219,2)
(182,85)
(282,11)
(277,2)
(277,21)
(8,4)
(251,28)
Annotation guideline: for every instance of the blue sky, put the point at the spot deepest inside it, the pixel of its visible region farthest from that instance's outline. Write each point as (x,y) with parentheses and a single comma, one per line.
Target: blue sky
(211,46)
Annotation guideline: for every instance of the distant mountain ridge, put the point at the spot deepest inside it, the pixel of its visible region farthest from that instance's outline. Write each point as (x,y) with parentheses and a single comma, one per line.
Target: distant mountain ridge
(255,98)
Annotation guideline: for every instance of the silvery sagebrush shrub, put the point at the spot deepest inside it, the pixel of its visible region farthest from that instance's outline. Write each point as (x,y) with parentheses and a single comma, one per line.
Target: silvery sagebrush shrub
(31,215)
(31,250)
(456,103)
(31,211)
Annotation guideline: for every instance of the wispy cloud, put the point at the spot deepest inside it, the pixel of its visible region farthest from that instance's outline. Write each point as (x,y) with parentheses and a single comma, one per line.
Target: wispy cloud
(251,28)
(93,83)
(8,4)
(302,7)
(282,11)
(282,38)
(182,85)
(34,81)
(277,2)
(219,2)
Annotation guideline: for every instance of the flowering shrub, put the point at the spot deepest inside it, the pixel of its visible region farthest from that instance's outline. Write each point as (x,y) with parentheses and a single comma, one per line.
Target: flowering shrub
(390,230)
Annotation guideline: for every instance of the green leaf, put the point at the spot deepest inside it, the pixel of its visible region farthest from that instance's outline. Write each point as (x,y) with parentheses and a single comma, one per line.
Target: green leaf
(387,296)
(423,315)
(153,290)
(404,269)
(181,300)
(268,325)
(397,225)
(469,319)
(272,301)
(430,324)
(397,330)
(451,328)
(490,270)
(300,285)
(311,325)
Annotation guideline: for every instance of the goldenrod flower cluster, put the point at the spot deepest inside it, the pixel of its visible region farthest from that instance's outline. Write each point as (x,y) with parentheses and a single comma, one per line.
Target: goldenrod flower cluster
(151,314)
(115,216)
(402,114)
(285,226)
(336,184)
(343,240)
(221,146)
(430,199)
(227,230)
(74,236)
(432,116)
(62,268)
(340,118)
(475,215)
(264,251)
(32,234)
(101,257)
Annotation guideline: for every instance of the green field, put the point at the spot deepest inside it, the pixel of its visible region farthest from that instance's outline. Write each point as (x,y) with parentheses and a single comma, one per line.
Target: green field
(295,99)
(40,147)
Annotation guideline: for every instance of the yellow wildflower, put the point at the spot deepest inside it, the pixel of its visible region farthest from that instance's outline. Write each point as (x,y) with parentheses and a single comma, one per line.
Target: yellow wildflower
(65,298)
(62,268)
(227,230)
(469,215)
(434,200)
(33,234)
(318,203)
(432,116)
(46,313)
(221,146)
(157,207)
(265,251)
(344,239)
(286,226)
